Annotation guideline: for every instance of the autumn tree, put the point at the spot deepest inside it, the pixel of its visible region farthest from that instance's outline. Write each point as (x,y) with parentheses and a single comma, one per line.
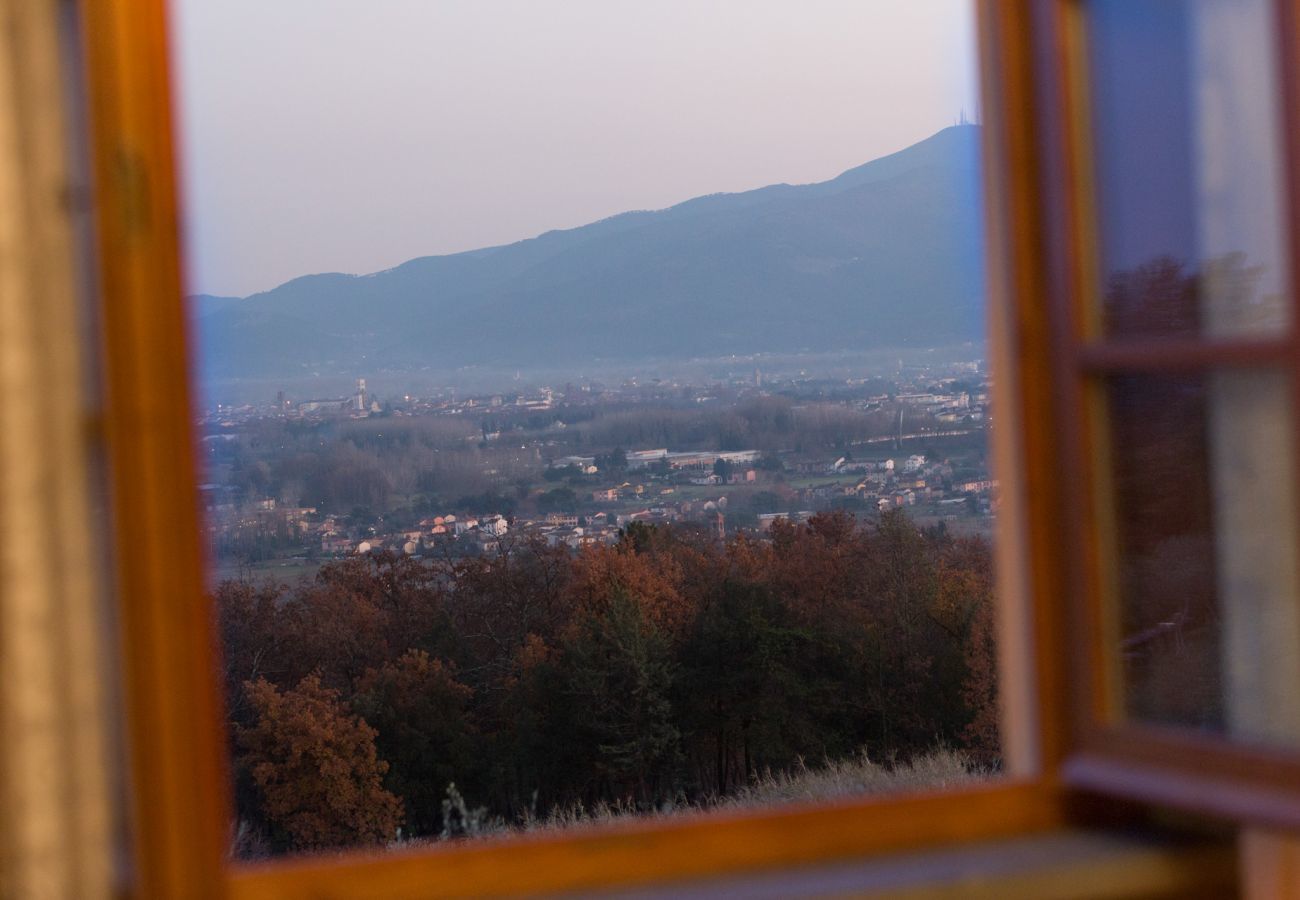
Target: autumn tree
(980,690)
(334,630)
(315,769)
(497,603)
(253,645)
(964,609)
(408,595)
(600,572)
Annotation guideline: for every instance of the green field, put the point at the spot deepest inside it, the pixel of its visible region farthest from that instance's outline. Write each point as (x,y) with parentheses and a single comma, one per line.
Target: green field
(287,570)
(799,482)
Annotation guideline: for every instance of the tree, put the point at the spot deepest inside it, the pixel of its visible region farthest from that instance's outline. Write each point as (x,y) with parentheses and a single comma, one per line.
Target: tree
(252,643)
(331,629)
(637,535)
(561,499)
(964,609)
(722,468)
(620,676)
(743,690)
(315,769)
(616,461)
(902,684)
(421,713)
(535,759)
(600,574)
(407,598)
(980,690)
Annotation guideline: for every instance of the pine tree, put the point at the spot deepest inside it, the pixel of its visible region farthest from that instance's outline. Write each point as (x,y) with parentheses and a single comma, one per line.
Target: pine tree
(620,677)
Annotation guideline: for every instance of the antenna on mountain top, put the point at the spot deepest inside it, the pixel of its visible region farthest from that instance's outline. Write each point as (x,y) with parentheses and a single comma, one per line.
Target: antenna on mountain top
(963,120)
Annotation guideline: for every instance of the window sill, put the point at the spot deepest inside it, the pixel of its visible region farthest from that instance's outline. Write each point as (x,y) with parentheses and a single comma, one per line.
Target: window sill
(1058,865)
(694,847)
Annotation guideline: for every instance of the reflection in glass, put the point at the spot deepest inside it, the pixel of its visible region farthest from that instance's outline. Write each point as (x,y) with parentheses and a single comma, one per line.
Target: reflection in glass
(1164,542)
(1204,538)
(1187,167)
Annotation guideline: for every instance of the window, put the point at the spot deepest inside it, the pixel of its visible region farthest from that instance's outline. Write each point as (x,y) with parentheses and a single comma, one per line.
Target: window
(1176,314)
(685,508)
(1085,402)
(1214,651)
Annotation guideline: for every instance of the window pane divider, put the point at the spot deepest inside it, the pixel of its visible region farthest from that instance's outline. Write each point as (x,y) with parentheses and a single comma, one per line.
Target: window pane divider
(1198,773)
(1175,354)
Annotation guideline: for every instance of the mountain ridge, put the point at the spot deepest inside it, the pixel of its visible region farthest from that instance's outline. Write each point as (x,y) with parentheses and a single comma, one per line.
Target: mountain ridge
(885,254)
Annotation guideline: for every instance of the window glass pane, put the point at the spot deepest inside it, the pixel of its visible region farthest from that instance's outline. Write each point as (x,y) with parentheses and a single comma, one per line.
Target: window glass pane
(1204,548)
(1186,146)
(642,467)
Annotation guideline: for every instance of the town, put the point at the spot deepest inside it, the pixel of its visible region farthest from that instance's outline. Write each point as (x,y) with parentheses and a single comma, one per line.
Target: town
(295,482)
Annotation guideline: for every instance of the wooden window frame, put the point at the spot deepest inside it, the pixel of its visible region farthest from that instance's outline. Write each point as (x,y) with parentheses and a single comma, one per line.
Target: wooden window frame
(1170,766)
(179,803)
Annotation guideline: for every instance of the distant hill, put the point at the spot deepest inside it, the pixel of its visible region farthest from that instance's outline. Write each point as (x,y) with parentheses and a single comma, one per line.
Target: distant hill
(887,254)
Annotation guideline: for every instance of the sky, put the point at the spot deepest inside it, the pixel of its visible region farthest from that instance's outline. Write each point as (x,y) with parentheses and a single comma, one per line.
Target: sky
(353,135)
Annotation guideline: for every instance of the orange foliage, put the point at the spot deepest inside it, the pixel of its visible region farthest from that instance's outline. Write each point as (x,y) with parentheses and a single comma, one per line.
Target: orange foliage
(651,580)
(670,663)
(316,768)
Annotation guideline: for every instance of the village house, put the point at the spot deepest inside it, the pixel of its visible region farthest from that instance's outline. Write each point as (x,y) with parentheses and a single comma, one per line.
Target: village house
(335,544)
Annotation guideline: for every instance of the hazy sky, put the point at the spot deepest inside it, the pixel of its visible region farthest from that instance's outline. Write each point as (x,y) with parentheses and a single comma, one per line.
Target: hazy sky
(352,135)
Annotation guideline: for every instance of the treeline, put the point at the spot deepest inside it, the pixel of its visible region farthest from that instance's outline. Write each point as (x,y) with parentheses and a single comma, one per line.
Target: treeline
(422,464)
(763,423)
(666,668)
(375,467)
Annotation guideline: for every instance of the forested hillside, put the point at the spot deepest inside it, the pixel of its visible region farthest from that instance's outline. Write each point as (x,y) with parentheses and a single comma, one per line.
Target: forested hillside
(668,669)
